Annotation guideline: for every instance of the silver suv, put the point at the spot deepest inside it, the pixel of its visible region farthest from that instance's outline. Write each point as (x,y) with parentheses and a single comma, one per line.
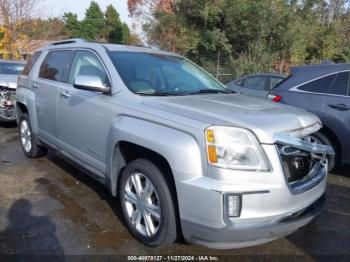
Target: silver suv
(183,154)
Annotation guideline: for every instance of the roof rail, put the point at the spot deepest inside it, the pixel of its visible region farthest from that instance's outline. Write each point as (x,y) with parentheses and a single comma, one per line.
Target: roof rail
(69,41)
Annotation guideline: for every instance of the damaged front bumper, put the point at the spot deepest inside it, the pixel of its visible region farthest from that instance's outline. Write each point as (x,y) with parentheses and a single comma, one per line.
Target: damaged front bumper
(304,163)
(7,104)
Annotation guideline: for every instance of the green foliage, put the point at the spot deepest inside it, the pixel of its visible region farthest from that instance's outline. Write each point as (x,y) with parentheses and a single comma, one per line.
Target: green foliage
(97,25)
(113,26)
(73,27)
(252,36)
(93,22)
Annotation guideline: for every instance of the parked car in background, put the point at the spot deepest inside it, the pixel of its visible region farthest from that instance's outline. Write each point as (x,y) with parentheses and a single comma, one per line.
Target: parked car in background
(323,90)
(185,155)
(255,85)
(9,71)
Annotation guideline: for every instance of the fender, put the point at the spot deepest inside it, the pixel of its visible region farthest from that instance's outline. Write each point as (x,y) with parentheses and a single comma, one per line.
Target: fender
(179,148)
(26,97)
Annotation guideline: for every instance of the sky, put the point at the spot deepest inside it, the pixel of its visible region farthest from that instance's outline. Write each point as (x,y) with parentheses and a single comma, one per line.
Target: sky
(59,7)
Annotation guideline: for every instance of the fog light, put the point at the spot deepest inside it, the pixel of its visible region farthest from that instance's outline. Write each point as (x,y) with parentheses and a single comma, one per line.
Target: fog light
(233,204)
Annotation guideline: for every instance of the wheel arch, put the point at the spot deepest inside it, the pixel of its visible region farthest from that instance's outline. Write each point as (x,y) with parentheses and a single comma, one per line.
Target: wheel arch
(334,139)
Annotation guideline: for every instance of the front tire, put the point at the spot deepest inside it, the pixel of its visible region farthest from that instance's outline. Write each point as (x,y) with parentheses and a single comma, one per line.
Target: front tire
(319,138)
(27,139)
(148,204)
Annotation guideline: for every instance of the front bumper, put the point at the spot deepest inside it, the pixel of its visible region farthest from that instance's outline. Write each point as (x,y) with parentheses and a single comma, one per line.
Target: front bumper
(243,236)
(7,104)
(268,205)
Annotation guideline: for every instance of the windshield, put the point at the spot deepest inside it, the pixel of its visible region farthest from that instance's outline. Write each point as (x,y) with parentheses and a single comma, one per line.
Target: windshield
(11,68)
(156,74)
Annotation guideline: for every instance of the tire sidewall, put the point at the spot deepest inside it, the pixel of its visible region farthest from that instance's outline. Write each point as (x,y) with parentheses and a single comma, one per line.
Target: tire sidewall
(167,206)
(331,158)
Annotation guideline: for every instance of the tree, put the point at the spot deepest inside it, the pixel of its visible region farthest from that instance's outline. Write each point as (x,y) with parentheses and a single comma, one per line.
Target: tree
(73,27)
(113,26)
(93,23)
(14,15)
(251,36)
(100,26)
(147,8)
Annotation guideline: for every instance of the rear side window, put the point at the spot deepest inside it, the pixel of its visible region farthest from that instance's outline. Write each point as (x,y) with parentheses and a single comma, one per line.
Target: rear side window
(275,81)
(56,66)
(31,63)
(256,82)
(320,85)
(340,85)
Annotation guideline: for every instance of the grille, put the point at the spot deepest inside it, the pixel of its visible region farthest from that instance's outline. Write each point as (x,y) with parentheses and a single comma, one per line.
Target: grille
(7,103)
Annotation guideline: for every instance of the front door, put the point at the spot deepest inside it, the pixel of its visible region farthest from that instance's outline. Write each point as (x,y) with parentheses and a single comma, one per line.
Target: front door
(83,116)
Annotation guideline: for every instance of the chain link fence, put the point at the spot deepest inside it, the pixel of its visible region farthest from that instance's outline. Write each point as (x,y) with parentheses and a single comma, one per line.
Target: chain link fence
(226,68)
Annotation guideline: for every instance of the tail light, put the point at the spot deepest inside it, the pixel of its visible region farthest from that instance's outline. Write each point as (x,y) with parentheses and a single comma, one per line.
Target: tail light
(274,98)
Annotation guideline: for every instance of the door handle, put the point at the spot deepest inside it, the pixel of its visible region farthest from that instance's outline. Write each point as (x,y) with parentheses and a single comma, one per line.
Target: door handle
(35,85)
(65,94)
(339,107)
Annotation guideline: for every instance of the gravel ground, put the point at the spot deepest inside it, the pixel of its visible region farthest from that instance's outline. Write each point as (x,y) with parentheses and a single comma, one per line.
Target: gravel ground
(48,207)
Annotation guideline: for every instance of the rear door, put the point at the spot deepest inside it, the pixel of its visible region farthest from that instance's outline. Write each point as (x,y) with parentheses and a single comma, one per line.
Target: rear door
(337,111)
(53,74)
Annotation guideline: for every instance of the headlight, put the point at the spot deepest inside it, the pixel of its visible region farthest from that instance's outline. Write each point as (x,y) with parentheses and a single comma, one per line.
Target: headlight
(234,148)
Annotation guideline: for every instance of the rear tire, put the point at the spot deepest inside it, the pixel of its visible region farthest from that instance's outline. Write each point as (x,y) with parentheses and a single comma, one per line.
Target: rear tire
(151,217)
(28,140)
(320,138)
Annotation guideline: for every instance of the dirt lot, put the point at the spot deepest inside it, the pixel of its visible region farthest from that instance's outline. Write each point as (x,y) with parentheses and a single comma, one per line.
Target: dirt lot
(49,207)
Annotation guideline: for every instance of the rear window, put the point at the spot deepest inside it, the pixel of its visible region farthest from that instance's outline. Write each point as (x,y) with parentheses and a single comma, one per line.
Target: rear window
(31,63)
(320,85)
(7,68)
(56,66)
(340,85)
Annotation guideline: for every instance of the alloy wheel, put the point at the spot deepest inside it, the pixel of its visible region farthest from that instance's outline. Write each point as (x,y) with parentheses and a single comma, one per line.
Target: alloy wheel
(142,204)
(26,136)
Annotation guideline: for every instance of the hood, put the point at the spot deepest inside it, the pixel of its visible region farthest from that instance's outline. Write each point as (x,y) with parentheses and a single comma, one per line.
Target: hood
(9,81)
(262,117)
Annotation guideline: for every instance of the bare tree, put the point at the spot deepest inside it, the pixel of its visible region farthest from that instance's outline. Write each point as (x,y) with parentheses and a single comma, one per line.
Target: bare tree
(14,15)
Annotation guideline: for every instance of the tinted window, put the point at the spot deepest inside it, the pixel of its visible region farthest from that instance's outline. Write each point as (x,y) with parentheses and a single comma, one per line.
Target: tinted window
(256,82)
(275,81)
(87,64)
(340,85)
(318,86)
(56,66)
(31,63)
(11,68)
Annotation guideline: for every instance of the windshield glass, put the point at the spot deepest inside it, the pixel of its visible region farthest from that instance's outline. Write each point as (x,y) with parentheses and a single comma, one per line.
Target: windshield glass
(11,68)
(145,73)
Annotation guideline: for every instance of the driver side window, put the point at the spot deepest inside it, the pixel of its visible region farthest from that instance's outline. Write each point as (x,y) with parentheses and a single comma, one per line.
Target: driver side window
(86,63)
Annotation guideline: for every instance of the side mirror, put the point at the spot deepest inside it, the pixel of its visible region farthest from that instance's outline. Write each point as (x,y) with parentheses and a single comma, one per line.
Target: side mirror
(90,83)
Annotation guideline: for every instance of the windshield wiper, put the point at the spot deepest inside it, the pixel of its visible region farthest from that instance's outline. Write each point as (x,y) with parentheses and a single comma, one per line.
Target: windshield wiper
(159,93)
(211,91)
(201,91)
